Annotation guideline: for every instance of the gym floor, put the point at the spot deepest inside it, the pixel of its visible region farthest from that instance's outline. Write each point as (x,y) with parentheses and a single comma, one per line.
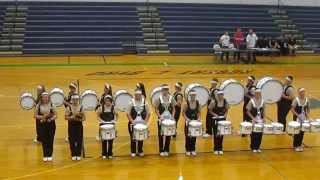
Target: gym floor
(20,158)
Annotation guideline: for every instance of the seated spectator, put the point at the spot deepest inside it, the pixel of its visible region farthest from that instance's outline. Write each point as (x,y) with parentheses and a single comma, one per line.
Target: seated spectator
(225,42)
(292,45)
(251,41)
(238,41)
(283,46)
(262,42)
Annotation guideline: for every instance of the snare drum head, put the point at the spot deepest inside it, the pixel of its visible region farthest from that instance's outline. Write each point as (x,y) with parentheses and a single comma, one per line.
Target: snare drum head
(140,126)
(246,124)
(107,126)
(271,89)
(195,123)
(202,93)
(233,91)
(155,95)
(122,100)
(89,100)
(293,124)
(26,101)
(57,97)
(168,122)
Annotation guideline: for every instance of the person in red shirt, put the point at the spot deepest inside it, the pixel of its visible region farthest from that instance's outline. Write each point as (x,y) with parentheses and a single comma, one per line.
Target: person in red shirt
(238,40)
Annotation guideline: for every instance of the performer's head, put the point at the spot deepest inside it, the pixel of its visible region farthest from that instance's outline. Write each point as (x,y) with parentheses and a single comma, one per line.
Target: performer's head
(45,98)
(302,92)
(178,86)
(138,94)
(75,99)
(220,95)
(108,100)
(73,87)
(164,89)
(193,95)
(257,93)
(288,80)
(214,82)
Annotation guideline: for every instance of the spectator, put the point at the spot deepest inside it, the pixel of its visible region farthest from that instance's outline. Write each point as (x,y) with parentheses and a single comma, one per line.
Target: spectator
(283,46)
(292,45)
(225,42)
(251,41)
(262,42)
(238,41)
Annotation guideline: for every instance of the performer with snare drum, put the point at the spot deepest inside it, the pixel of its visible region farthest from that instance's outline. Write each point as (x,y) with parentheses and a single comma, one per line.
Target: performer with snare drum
(165,110)
(140,86)
(301,110)
(178,97)
(213,96)
(249,93)
(74,114)
(255,110)
(107,115)
(284,105)
(191,112)
(218,108)
(40,89)
(46,114)
(137,112)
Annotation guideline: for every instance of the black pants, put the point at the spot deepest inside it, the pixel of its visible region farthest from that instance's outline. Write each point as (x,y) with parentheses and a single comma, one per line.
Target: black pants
(163,140)
(47,132)
(38,130)
(256,138)
(177,115)
(224,53)
(297,139)
(217,139)
(190,143)
(75,133)
(134,142)
(283,110)
(251,57)
(209,123)
(107,147)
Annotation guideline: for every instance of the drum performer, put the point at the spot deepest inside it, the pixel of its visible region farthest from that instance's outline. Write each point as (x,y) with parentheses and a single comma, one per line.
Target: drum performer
(249,93)
(72,91)
(178,97)
(140,86)
(218,109)
(74,114)
(301,110)
(40,89)
(191,111)
(137,112)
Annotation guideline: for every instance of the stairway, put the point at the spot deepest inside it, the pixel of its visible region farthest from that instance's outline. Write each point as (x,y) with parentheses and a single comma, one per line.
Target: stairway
(13,31)
(287,26)
(154,37)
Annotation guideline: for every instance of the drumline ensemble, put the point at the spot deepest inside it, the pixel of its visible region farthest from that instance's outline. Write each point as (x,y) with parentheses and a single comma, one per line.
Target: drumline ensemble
(168,109)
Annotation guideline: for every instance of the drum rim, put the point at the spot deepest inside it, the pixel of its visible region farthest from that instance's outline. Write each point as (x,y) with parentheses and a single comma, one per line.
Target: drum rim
(83,94)
(21,97)
(236,82)
(116,96)
(272,79)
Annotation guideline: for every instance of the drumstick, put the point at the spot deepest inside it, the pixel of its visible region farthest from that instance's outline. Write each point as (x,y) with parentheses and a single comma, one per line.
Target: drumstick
(83,149)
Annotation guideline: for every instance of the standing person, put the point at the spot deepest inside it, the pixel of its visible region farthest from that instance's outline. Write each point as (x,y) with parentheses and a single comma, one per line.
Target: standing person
(284,105)
(225,42)
(256,110)
(213,95)
(164,109)
(140,86)
(191,111)
(46,114)
(106,115)
(249,93)
(178,97)
(137,111)
(40,89)
(72,91)
(218,108)
(238,41)
(301,110)
(74,114)
(292,45)
(251,41)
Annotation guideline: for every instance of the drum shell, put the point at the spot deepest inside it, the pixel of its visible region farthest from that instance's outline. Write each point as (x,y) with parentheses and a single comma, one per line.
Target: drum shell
(268,129)
(140,132)
(293,127)
(306,127)
(245,128)
(277,128)
(168,127)
(107,132)
(258,128)
(315,126)
(194,128)
(224,128)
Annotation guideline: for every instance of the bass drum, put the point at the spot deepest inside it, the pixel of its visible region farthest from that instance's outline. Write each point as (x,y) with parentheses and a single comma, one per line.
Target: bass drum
(57,97)
(27,101)
(202,93)
(89,100)
(233,91)
(122,100)
(155,94)
(271,89)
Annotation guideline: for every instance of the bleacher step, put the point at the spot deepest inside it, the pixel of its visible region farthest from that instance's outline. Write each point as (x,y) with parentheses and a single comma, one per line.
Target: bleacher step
(158,52)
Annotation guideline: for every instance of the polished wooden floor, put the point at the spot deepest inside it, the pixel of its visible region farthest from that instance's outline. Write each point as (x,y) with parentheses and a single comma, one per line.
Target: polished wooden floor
(20,158)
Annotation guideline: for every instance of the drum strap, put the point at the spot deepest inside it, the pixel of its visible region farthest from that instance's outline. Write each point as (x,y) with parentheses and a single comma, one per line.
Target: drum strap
(165,104)
(299,102)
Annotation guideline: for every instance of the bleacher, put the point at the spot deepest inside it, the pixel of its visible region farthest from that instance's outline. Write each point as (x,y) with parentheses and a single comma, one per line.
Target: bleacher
(2,14)
(308,20)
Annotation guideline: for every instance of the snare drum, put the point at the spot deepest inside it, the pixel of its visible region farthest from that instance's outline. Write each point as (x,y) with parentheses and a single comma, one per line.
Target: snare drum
(195,128)
(155,94)
(57,97)
(277,128)
(233,91)
(202,93)
(257,127)
(89,100)
(140,132)
(224,128)
(271,89)
(293,127)
(107,131)
(122,100)
(27,101)
(315,126)
(267,129)
(245,128)
(305,126)
(168,127)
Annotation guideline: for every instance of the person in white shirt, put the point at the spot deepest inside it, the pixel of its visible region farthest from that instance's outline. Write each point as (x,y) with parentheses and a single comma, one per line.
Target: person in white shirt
(225,42)
(251,41)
